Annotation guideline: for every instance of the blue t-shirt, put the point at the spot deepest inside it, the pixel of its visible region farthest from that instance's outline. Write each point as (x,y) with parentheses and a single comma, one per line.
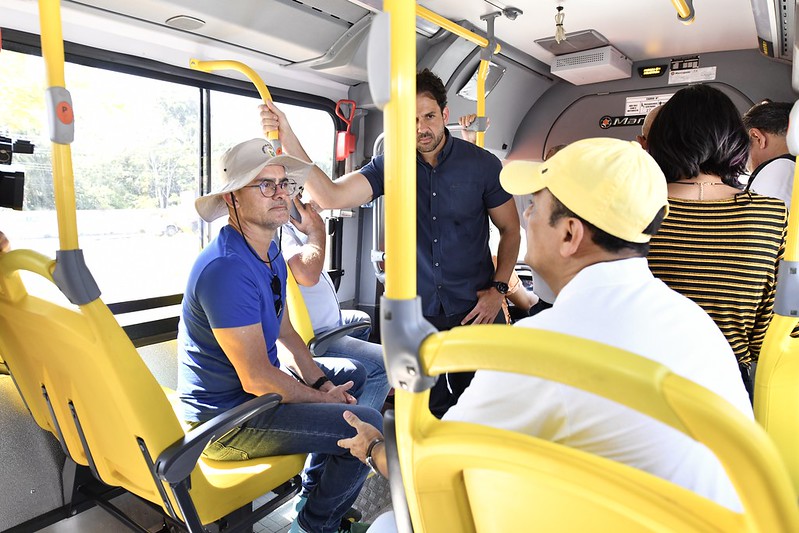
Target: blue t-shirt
(228,287)
(453,260)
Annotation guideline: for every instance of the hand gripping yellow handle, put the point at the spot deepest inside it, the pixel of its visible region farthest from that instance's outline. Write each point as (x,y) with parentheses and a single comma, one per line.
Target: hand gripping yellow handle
(210,66)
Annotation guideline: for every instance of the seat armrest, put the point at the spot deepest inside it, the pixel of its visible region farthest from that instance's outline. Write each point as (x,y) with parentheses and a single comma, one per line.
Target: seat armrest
(177,462)
(320,343)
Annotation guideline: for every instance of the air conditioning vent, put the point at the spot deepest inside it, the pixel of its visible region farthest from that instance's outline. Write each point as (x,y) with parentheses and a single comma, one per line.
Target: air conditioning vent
(592,66)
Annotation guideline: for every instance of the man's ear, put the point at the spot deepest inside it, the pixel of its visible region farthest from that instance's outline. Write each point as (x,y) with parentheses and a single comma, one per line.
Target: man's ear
(445,114)
(572,233)
(758,137)
(230,199)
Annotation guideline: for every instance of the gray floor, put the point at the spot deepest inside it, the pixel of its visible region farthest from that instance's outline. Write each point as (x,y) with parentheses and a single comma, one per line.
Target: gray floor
(373,500)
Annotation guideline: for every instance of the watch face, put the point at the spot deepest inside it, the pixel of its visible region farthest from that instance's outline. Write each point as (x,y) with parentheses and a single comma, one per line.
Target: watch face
(501,287)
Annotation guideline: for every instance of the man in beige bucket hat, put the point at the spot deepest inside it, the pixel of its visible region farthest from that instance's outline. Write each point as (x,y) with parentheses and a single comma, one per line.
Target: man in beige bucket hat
(232,318)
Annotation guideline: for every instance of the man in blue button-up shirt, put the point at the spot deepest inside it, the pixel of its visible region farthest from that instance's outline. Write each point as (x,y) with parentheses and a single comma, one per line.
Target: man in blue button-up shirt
(458,191)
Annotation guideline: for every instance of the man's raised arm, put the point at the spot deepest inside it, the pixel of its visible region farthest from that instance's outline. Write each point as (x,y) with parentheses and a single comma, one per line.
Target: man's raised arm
(348,191)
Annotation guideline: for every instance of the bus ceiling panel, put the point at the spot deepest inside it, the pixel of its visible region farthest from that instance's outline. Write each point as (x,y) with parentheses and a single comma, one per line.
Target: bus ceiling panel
(640,30)
(269,26)
(567,112)
(146,35)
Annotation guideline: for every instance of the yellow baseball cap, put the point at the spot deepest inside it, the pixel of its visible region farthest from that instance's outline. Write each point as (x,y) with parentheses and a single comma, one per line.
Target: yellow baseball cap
(615,185)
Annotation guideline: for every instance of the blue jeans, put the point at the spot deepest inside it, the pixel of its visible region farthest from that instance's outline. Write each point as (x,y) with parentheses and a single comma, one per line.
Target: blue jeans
(349,316)
(333,477)
(370,355)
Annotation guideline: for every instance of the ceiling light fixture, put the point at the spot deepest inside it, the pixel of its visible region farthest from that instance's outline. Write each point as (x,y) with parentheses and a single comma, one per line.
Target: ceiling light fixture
(185,22)
(560,33)
(512,12)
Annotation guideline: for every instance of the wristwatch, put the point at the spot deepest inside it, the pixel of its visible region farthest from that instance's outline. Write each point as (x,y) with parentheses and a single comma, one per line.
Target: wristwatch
(369,459)
(500,286)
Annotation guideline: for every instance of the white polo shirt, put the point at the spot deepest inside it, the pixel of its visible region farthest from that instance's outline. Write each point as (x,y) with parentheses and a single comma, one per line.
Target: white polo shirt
(621,304)
(320,299)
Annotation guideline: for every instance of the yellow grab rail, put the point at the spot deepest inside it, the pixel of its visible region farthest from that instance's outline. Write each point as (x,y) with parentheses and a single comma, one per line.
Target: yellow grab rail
(792,238)
(685,10)
(210,66)
(61,114)
(451,27)
(482,71)
(482,74)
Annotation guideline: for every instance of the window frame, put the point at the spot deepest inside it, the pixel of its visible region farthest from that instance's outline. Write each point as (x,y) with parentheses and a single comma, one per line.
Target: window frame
(153,331)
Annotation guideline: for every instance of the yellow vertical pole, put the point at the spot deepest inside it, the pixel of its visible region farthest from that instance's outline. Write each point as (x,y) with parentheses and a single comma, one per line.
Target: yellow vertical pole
(792,238)
(63,179)
(482,74)
(399,118)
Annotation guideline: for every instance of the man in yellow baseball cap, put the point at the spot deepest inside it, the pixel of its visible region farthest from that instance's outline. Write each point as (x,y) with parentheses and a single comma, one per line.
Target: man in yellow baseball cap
(595,205)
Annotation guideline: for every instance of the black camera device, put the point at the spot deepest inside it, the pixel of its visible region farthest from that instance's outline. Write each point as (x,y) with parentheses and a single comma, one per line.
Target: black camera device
(12,183)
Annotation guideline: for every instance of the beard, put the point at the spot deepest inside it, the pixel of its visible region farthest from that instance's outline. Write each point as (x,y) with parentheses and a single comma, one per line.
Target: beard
(429,147)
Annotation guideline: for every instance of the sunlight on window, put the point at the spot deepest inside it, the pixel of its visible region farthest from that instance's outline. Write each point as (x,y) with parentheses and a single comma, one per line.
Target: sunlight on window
(235,119)
(137,168)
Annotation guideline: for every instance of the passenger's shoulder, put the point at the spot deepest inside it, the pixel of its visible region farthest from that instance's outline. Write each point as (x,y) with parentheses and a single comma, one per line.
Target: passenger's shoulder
(474,150)
(767,206)
(226,264)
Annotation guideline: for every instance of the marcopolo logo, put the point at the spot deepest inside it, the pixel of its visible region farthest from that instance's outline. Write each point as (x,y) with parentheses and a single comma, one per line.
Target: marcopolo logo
(614,122)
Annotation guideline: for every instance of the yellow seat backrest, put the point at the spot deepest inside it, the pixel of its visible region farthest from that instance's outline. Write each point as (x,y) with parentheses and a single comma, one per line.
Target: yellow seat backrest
(93,377)
(83,380)
(467,477)
(777,391)
(298,311)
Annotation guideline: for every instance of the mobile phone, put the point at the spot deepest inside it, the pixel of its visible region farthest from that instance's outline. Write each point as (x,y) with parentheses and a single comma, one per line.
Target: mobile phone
(294,212)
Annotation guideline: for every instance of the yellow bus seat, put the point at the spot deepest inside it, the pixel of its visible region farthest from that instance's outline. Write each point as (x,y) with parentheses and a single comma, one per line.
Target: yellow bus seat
(473,478)
(83,381)
(777,390)
(301,320)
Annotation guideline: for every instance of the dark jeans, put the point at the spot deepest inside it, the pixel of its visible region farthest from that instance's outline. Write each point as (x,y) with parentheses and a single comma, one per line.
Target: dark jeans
(449,387)
(333,477)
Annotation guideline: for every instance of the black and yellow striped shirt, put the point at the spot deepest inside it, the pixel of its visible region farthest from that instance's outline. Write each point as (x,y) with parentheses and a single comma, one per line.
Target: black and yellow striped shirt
(723,255)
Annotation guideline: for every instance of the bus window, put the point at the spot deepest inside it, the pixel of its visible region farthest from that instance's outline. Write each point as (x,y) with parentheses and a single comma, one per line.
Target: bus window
(136,164)
(135,159)
(235,119)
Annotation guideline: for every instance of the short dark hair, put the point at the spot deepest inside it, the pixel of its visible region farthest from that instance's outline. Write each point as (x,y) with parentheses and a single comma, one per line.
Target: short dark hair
(770,117)
(602,238)
(699,130)
(429,83)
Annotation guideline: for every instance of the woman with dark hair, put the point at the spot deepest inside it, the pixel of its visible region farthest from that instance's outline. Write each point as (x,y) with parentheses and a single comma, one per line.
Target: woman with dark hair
(718,246)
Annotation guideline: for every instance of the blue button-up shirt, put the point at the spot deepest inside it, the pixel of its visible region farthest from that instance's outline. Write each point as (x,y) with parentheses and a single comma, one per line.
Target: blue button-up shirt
(453,260)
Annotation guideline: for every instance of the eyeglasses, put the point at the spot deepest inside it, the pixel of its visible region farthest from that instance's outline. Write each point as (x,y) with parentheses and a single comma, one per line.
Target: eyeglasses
(275,285)
(269,188)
